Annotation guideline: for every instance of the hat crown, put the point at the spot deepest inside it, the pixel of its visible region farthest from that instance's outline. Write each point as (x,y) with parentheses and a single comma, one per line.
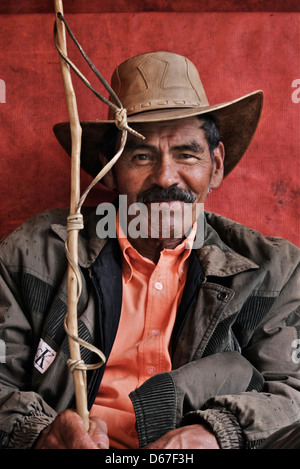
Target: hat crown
(163,86)
(157,80)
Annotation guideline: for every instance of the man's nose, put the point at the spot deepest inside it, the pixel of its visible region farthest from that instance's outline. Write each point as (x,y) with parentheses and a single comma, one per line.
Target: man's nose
(165,173)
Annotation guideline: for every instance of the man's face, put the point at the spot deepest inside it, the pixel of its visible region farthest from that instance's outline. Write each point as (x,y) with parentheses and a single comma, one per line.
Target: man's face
(173,162)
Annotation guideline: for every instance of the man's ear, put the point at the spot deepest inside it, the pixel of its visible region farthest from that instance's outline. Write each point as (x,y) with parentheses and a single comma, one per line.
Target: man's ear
(218,167)
(109,179)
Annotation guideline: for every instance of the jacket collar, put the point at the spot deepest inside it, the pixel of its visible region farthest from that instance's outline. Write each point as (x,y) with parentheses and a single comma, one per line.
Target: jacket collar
(89,244)
(216,257)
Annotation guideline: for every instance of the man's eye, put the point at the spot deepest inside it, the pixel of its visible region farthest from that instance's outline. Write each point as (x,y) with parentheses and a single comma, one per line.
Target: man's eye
(141,158)
(186,156)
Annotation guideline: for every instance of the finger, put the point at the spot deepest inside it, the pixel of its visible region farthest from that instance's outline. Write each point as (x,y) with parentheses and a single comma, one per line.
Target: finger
(68,431)
(98,433)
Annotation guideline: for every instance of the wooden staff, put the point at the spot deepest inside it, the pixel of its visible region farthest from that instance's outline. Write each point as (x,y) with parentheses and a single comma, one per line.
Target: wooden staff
(79,375)
(75,220)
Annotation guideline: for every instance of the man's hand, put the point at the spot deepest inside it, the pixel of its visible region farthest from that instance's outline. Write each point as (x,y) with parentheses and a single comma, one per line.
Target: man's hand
(189,437)
(68,431)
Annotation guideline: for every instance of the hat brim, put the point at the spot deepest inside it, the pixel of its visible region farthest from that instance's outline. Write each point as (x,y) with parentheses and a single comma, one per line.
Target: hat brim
(237,121)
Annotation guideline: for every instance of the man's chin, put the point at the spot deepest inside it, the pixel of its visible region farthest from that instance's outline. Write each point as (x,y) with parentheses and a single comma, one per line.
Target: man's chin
(161,220)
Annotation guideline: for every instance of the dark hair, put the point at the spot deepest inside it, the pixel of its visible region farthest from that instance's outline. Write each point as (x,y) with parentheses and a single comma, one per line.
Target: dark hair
(108,145)
(212,133)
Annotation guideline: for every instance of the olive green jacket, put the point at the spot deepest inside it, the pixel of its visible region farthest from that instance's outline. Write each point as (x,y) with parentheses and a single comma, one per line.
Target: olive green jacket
(234,346)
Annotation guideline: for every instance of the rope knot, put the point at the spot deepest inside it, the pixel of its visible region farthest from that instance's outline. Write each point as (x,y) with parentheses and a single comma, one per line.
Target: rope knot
(76,365)
(120,116)
(75,222)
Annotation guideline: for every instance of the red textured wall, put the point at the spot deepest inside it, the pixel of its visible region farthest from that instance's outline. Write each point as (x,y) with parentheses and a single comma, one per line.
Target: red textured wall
(236,52)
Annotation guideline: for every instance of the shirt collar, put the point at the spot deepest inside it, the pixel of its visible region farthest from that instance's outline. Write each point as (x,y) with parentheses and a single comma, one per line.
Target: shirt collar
(130,255)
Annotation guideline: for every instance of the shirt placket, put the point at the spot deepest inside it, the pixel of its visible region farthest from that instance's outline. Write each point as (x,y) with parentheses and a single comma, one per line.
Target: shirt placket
(151,351)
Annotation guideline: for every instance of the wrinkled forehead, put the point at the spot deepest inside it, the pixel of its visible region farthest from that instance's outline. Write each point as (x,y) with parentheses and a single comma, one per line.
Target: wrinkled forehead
(179,129)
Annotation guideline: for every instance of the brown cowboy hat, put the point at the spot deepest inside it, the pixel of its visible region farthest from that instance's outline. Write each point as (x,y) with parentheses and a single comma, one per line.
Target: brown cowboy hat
(163,86)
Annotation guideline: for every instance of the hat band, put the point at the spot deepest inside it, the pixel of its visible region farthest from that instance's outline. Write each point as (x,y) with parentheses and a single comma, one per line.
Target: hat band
(156,105)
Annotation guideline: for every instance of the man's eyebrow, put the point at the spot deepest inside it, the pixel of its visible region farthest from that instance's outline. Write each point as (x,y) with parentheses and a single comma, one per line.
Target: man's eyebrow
(133,145)
(193,146)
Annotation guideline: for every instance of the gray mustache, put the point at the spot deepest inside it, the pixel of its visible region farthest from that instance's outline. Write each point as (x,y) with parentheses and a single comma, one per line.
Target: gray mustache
(157,193)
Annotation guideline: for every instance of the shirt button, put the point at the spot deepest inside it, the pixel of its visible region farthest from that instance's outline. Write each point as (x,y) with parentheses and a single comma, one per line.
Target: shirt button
(158,286)
(151,370)
(155,331)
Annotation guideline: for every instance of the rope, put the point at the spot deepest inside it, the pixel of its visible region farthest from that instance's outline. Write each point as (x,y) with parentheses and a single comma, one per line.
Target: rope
(79,364)
(75,222)
(97,73)
(120,113)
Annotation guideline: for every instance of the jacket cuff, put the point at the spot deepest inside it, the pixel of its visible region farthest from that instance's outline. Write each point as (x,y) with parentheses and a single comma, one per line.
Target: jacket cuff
(26,431)
(154,404)
(221,422)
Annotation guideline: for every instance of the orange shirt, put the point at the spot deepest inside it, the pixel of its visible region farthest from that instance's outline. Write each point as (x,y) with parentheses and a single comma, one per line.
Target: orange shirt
(151,295)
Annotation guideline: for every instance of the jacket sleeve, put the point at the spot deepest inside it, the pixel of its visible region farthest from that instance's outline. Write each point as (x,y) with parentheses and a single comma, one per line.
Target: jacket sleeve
(243,398)
(273,351)
(162,401)
(23,412)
